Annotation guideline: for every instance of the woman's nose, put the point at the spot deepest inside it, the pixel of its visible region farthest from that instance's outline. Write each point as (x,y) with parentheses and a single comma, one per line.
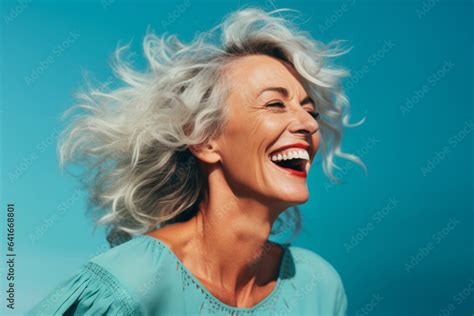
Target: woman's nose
(303,122)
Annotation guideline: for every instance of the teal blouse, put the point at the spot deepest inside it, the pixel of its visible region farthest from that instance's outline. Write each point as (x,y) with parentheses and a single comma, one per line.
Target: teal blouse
(144,277)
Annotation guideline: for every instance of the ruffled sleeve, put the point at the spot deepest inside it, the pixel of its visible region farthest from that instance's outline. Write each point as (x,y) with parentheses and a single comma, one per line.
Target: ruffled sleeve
(92,290)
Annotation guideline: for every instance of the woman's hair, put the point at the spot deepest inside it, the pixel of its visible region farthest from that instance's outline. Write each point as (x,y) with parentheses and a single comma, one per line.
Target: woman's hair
(133,140)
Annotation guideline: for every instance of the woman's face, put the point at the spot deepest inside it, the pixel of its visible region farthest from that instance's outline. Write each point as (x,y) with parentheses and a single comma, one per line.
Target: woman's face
(269,121)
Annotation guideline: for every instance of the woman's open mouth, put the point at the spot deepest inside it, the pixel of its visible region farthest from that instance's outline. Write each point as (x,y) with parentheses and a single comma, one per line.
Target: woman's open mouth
(292,160)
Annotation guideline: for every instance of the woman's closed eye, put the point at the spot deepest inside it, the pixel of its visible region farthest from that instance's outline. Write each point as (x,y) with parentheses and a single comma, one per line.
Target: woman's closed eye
(280,104)
(276,104)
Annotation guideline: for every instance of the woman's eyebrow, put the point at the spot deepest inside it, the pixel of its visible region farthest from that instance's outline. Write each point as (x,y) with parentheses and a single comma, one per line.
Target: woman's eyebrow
(283,91)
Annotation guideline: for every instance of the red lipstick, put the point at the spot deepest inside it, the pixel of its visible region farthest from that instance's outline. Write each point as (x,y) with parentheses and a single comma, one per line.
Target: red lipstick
(293,172)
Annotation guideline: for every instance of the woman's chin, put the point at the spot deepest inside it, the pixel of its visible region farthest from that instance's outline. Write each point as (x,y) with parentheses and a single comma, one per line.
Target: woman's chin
(294,198)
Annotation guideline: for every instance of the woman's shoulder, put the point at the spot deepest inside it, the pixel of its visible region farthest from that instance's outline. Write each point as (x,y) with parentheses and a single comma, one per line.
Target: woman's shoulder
(117,281)
(142,265)
(307,261)
(140,251)
(318,279)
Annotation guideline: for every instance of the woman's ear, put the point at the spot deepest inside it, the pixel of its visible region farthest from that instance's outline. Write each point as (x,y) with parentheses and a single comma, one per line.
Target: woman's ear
(206,152)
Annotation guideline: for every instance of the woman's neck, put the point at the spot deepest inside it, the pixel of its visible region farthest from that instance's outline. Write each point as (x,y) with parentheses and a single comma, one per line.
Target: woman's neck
(225,245)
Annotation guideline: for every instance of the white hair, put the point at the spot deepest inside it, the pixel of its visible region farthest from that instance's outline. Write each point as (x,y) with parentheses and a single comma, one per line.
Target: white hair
(133,140)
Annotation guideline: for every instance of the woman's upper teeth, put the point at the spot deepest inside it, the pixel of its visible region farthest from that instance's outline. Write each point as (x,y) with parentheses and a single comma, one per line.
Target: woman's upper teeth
(291,154)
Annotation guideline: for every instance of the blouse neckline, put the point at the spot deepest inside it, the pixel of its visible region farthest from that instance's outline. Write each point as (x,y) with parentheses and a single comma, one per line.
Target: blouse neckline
(273,293)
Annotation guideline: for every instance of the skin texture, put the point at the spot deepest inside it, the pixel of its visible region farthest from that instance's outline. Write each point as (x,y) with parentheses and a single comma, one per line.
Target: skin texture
(226,244)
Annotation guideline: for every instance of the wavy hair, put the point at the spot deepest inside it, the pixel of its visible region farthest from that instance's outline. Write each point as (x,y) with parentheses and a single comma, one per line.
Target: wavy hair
(133,140)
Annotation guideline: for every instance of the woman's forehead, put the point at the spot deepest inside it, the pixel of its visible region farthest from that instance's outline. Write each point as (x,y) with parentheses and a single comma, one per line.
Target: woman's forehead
(252,75)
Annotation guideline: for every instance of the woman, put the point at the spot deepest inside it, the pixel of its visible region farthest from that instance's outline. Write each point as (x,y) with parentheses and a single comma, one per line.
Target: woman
(195,159)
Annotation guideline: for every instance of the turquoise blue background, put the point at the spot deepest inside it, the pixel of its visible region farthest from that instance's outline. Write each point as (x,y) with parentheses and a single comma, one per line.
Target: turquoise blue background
(400,237)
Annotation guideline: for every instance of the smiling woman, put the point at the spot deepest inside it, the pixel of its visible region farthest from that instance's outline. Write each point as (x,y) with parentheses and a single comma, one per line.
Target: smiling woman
(193,161)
